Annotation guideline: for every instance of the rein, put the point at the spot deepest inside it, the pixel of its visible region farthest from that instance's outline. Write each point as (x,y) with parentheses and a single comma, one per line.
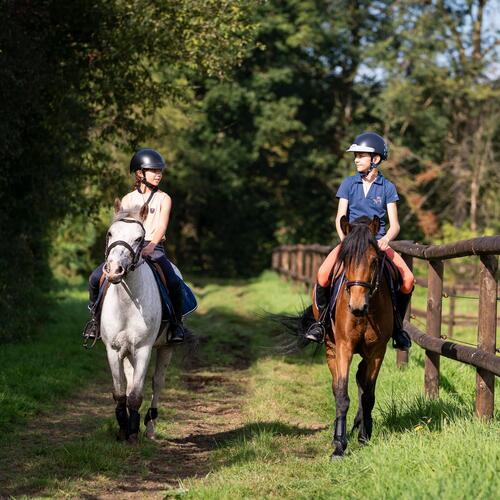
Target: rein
(374,284)
(135,254)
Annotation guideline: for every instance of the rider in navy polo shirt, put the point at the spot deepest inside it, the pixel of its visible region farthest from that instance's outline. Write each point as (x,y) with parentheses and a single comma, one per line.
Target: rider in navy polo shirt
(368,193)
(380,194)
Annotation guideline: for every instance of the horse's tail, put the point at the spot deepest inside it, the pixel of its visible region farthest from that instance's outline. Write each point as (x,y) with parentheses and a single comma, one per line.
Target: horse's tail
(296,326)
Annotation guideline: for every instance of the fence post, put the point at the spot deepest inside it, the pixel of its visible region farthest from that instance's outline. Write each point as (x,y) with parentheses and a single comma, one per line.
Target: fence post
(275,266)
(285,261)
(308,267)
(293,263)
(316,264)
(300,262)
(486,333)
(402,356)
(434,315)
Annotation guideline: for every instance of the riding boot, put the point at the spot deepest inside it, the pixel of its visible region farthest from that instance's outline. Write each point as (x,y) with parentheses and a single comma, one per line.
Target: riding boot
(316,332)
(177,328)
(91,329)
(400,338)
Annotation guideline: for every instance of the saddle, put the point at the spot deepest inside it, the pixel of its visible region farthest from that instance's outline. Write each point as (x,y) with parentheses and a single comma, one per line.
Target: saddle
(391,274)
(189,300)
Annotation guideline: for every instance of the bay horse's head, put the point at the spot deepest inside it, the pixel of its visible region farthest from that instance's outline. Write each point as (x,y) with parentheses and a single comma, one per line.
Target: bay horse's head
(359,254)
(124,242)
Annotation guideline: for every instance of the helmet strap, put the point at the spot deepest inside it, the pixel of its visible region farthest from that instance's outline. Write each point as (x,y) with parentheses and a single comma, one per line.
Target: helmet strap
(146,183)
(370,168)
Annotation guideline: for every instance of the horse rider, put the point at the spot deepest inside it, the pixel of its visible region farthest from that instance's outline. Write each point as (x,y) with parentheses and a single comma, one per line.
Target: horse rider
(147,165)
(367,193)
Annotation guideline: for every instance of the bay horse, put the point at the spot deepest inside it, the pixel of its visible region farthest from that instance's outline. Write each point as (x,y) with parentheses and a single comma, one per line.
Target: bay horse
(130,323)
(363,324)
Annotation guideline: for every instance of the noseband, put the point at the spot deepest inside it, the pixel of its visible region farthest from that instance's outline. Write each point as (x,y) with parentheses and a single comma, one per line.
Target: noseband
(373,285)
(135,254)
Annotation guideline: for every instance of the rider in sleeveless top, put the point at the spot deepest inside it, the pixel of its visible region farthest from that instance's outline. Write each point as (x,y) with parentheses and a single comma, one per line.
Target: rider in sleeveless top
(368,193)
(147,165)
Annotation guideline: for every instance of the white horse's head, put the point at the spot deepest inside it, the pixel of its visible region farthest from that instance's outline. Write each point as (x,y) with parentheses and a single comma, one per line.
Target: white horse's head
(124,242)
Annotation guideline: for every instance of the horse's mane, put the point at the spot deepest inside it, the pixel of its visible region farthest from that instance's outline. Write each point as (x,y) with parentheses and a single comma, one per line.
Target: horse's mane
(133,213)
(357,241)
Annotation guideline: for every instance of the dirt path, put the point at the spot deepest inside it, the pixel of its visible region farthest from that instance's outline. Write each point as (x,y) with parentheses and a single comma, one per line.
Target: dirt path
(205,412)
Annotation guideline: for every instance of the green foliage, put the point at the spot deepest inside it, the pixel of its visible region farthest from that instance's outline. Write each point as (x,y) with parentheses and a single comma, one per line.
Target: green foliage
(439,100)
(78,81)
(260,164)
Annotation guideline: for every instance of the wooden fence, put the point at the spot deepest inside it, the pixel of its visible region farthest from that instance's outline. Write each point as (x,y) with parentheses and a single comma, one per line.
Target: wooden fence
(301,263)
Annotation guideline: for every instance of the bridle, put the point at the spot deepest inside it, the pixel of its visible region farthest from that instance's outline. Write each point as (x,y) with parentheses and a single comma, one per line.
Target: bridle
(375,282)
(135,254)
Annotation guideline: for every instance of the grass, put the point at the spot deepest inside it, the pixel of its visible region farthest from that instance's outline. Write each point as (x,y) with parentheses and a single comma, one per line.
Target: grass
(36,374)
(281,447)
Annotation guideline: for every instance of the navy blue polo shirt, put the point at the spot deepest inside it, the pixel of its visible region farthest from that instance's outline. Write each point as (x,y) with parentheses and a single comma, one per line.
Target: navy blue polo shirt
(380,194)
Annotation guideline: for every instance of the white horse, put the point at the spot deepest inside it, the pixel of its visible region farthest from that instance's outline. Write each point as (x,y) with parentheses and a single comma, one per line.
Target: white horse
(130,322)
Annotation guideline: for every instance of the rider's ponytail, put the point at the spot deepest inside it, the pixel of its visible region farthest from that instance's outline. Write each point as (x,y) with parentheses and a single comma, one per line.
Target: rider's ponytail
(138,180)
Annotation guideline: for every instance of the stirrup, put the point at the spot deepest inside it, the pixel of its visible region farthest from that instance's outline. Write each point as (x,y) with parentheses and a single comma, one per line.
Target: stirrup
(401,340)
(177,334)
(316,332)
(91,333)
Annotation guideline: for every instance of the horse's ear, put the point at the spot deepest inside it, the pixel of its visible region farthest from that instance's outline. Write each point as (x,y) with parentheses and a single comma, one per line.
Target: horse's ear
(344,225)
(143,213)
(117,205)
(375,225)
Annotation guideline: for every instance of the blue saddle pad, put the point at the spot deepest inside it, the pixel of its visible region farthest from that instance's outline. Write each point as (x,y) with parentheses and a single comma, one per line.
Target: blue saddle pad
(189,303)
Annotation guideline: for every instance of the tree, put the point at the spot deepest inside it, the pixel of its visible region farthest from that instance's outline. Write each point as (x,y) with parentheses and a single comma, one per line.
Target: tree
(77,76)
(261,161)
(440,104)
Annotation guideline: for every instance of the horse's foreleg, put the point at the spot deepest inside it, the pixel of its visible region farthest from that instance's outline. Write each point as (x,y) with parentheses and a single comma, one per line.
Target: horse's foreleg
(163,356)
(360,379)
(340,390)
(134,399)
(367,396)
(119,391)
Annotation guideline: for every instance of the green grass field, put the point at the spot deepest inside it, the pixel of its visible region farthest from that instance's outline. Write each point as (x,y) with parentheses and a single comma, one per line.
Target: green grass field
(279,444)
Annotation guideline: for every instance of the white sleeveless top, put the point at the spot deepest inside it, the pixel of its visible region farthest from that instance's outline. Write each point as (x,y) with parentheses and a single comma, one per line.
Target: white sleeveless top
(135,200)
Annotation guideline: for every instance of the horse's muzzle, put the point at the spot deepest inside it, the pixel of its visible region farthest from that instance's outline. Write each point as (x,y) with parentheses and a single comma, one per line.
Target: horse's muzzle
(359,312)
(114,272)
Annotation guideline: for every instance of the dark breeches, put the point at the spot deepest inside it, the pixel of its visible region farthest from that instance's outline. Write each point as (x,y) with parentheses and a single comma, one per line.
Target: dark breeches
(94,280)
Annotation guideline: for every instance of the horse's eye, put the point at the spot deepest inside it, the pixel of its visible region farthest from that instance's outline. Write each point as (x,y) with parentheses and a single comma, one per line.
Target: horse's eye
(137,240)
(109,234)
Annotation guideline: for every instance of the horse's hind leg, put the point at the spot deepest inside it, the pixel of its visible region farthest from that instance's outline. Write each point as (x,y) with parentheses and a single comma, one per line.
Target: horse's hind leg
(163,356)
(121,416)
(367,379)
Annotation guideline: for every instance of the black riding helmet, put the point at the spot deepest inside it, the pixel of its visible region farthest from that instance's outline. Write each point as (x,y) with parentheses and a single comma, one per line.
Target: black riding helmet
(370,142)
(146,158)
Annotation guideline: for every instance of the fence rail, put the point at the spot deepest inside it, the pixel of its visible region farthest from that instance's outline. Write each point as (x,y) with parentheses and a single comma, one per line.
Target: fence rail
(300,263)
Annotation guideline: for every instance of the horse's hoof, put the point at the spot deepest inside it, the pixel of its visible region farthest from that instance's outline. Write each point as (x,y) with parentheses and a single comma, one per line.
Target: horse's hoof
(133,439)
(338,451)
